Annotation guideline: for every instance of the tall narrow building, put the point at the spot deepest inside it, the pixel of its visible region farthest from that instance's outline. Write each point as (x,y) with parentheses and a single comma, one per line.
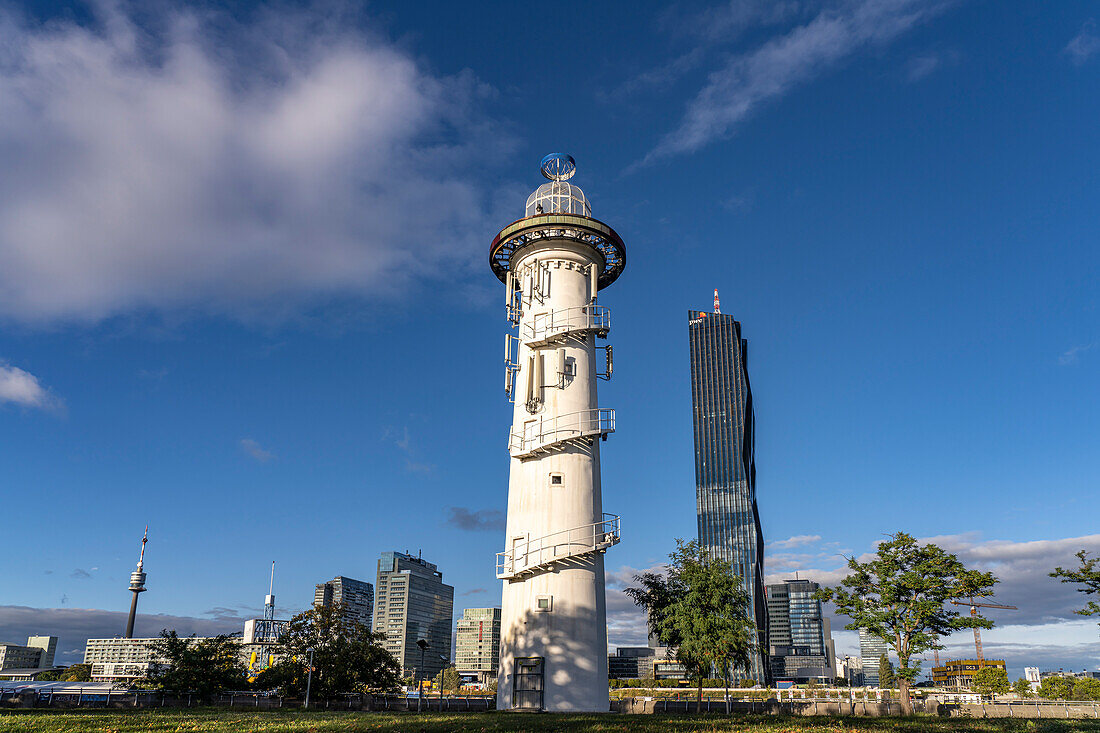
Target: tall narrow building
(553,262)
(412,603)
(871,650)
(477,646)
(356,596)
(725,472)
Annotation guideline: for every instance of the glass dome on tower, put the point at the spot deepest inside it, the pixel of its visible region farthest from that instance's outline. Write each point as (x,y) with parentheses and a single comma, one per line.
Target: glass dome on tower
(558,196)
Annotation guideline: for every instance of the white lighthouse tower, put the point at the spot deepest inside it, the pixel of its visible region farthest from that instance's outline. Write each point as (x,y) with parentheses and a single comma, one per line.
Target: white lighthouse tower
(553,262)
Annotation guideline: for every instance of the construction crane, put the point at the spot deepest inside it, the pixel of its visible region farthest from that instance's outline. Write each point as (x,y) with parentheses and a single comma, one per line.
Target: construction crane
(974,606)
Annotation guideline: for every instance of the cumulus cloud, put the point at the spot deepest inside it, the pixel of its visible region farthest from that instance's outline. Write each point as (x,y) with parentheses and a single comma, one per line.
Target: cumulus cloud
(750,79)
(22,388)
(481,520)
(255,450)
(241,169)
(74,626)
(1085,44)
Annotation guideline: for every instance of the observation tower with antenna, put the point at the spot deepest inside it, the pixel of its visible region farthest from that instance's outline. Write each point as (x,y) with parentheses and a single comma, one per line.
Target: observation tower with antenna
(137,585)
(553,262)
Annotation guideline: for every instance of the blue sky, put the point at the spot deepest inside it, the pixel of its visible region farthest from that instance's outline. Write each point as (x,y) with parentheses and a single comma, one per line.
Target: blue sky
(244,295)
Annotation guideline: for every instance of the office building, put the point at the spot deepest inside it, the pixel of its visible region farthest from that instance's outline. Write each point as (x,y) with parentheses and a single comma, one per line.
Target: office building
(357,597)
(871,650)
(554,263)
(122,659)
(412,603)
(799,647)
(725,471)
(631,662)
(37,654)
(960,672)
(477,644)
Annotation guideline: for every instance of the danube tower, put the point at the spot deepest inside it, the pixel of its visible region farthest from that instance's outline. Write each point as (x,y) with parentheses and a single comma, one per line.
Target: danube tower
(553,262)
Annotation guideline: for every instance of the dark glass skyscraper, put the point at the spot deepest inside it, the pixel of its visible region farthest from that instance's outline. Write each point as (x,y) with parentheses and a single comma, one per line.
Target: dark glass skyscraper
(725,473)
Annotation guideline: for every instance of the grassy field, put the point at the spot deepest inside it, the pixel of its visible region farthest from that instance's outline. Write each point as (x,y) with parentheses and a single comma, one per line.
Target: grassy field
(318,722)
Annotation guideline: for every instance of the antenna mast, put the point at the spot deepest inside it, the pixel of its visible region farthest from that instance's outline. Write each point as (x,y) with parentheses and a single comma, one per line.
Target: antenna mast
(137,585)
(717,307)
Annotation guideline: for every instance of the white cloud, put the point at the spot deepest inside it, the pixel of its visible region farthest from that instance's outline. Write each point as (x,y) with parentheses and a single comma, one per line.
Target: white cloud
(23,388)
(254,450)
(796,541)
(1072,356)
(1085,44)
(747,80)
(248,170)
(921,66)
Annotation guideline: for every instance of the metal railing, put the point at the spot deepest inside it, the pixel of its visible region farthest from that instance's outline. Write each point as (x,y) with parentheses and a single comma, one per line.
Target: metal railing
(531,555)
(562,321)
(541,433)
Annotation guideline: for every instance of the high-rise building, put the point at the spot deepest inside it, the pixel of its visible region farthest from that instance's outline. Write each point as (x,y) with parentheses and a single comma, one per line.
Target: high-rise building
(798,645)
(412,603)
(37,654)
(725,472)
(553,263)
(477,644)
(357,596)
(871,649)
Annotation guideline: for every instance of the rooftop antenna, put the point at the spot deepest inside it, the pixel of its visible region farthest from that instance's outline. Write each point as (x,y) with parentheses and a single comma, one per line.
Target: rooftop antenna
(717,307)
(137,585)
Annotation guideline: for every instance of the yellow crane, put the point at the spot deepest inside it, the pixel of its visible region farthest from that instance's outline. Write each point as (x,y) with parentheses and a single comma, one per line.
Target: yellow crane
(974,606)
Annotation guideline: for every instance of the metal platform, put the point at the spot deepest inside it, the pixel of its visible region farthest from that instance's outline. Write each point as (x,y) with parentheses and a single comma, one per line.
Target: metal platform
(542,435)
(579,229)
(533,556)
(545,329)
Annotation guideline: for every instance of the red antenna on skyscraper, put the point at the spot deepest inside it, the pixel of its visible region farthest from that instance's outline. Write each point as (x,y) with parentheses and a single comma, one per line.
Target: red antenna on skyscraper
(717,307)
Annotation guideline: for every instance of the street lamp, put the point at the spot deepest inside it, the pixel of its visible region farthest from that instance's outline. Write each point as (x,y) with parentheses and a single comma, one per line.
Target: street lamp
(423,644)
(309,677)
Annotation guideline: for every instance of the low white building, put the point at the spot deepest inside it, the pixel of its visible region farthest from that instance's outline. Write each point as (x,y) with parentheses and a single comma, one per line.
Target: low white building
(37,654)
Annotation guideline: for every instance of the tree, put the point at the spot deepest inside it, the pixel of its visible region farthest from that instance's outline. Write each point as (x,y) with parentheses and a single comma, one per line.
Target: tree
(990,681)
(1088,575)
(1086,688)
(699,609)
(1056,688)
(347,656)
(77,673)
(900,596)
(202,666)
(449,680)
(885,672)
(1023,688)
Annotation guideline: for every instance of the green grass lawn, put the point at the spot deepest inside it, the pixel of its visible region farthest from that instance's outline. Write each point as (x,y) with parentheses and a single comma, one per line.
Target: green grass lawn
(320,722)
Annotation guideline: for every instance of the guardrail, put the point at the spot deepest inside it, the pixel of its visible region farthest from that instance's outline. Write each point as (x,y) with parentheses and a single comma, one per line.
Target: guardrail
(544,326)
(542,433)
(528,557)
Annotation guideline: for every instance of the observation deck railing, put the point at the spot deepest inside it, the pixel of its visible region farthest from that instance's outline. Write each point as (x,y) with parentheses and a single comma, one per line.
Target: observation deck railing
(544,328)
(534,555)
(542,435)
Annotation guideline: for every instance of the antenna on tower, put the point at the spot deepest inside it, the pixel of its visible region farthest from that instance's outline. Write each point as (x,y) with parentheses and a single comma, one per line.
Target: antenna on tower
(717,307)
(137,585)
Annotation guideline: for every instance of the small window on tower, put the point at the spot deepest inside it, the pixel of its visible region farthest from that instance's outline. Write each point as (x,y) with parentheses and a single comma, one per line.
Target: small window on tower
(544,604)
(556,479)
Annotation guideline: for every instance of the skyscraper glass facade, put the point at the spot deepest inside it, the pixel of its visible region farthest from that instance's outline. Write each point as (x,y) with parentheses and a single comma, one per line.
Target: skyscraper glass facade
(799,646)
(725,473)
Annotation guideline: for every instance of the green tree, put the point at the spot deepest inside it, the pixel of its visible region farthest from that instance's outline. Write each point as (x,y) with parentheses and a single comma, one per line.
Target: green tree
(1086,688)
(1023,688)
(448,680)
(1056,688)
(699,609)
(77,673)
(990,681)
(900,596)
(885,672)
(347,656)
(202,666)
(1088,575)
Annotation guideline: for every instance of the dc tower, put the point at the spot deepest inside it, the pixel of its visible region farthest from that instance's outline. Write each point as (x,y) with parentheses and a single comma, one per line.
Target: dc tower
(137,586)
(553,262)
